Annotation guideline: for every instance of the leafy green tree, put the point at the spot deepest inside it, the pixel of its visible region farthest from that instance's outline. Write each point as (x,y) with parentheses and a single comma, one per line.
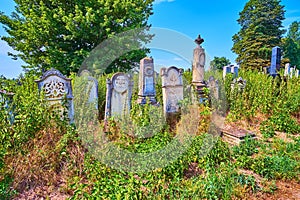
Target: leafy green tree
(291,44)
(62,33)
(219,62)
(261,30)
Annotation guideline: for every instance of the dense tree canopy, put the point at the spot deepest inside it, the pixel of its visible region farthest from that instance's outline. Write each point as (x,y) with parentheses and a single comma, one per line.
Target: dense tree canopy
(219,62)
(61,33)
(261,30)
(291,44)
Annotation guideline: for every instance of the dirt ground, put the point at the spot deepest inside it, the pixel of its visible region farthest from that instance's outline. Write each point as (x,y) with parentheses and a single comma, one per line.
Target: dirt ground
(289,190)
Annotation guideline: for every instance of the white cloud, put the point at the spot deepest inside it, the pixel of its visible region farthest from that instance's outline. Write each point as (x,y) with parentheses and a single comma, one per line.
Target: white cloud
(162,1)
(5,48)
(178,59)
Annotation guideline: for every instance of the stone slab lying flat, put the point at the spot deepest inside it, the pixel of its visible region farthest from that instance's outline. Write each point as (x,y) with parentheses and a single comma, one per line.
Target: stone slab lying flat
(235,135)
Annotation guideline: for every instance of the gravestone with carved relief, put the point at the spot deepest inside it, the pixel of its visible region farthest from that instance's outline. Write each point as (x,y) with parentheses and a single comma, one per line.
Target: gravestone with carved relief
(58,92)
(118,95)
(172,87)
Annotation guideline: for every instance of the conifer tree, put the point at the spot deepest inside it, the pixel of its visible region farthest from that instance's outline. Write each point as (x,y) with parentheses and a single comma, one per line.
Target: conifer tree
(261,30)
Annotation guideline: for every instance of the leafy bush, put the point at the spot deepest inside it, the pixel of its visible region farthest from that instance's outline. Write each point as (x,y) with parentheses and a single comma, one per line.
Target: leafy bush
(278,167)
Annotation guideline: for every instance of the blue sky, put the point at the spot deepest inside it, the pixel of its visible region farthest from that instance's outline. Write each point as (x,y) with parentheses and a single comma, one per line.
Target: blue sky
(215,20)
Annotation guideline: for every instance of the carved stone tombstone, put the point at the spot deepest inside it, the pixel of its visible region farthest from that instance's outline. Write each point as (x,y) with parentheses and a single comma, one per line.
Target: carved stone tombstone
(58,90)
(198,70)
(118,95)
(213,86)
(198,63)
(275,61)
(172,88)
(146,81)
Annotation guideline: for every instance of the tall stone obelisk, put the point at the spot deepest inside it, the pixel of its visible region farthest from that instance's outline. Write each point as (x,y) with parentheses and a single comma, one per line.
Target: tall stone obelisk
(198,68)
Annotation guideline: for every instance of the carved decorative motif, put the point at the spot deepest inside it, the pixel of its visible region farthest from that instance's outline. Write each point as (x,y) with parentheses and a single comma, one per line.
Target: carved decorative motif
(55,89)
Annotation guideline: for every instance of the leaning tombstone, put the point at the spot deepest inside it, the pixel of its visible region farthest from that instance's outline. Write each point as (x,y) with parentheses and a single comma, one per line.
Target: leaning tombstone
(6,99)
(58,91)
(275,61)
(118,95)
(146,81)
(172,89)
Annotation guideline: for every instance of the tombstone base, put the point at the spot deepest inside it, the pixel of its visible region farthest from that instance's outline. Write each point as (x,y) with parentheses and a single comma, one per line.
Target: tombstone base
(200,93)
(143,100)
(274,75)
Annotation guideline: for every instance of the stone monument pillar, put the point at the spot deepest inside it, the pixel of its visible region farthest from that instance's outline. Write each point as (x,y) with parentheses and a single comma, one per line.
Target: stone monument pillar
(198,63)
(146,81)
(198,68)
(275,61)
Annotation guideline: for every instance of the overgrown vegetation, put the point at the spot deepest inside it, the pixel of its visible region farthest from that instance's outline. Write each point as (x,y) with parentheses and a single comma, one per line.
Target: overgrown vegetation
(40,151)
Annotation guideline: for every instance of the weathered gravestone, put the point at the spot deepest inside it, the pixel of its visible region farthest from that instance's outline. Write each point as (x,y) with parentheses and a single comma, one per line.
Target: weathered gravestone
(213,86)
(118,95)
(146,81)
(287,69)
(231,69)
(58,91)
(292,71)
(198,69)
(238,83)
(92,88)
(275,61)
(172,87)
(6,99)
(198,63)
